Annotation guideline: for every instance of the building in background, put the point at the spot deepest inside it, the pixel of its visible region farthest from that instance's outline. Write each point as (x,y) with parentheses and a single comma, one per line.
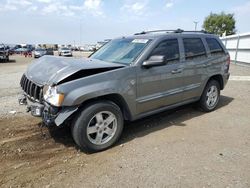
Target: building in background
(239,47)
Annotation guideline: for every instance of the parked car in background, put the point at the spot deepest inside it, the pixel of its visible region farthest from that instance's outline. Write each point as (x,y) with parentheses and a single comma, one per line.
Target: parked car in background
(39,52)
(64,52)
(22,50)
(49,51)
(127,79)
(4,52)
(13,49)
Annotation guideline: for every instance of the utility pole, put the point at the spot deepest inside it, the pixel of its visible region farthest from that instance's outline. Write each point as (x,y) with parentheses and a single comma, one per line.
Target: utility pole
(80,32)
(195,25)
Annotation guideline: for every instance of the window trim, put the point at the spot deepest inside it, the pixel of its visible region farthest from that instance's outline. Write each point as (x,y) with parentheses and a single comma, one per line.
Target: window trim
(172,59)
(195,55)
(214,51)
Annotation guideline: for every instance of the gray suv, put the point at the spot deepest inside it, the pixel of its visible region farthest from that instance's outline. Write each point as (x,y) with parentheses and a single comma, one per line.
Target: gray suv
(127,79)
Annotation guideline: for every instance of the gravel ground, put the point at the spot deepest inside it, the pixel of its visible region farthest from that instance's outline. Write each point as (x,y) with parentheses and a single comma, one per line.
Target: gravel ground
(178,148)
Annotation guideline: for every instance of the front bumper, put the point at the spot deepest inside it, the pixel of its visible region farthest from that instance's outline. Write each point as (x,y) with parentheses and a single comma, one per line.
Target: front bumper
(50,115)
(66,54)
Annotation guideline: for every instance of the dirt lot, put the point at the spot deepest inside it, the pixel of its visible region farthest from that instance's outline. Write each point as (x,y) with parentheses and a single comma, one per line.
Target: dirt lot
(179,148)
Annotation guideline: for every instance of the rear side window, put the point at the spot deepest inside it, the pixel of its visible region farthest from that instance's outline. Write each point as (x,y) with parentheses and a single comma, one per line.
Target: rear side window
(169,48)
(194,48)
(214,46)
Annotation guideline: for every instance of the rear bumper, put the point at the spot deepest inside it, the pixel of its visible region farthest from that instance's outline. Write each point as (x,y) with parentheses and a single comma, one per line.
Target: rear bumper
(50,115)
(226,78)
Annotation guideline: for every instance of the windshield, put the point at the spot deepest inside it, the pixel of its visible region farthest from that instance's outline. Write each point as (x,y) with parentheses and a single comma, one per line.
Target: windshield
(123,51)
(64,48)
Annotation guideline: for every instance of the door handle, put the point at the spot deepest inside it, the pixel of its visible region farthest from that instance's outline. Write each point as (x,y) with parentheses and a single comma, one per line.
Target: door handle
(176,71)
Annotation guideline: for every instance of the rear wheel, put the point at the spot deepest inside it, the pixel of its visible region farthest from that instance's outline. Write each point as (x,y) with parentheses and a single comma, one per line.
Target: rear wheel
(210,96)
(98,126)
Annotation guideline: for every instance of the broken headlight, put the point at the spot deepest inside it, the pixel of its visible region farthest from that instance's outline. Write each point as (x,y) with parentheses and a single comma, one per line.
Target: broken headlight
(51,95)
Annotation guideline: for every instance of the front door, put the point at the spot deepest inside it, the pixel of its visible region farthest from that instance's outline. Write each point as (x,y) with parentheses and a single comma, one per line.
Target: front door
(160,86)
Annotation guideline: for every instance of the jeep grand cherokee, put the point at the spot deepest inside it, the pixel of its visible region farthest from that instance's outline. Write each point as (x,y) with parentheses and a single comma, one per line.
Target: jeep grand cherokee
(127,79)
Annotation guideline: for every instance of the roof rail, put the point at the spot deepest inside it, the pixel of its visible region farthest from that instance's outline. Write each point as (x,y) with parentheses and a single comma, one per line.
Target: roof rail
(171,31)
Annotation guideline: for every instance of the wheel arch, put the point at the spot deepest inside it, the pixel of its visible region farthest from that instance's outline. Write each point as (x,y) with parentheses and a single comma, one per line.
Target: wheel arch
(219,79)
(115,98)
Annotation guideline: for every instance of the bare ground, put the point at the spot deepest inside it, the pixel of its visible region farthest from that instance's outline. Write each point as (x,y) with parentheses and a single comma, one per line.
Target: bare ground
(178,148)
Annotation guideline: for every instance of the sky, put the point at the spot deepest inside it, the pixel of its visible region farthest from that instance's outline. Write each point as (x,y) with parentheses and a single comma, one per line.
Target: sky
(89,21)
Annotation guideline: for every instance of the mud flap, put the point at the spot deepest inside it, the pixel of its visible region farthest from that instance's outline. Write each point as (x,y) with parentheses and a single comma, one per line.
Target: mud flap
(64,114)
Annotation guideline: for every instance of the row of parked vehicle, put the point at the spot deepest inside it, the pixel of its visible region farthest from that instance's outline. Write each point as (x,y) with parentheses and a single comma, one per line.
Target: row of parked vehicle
(39,52)
(6,51)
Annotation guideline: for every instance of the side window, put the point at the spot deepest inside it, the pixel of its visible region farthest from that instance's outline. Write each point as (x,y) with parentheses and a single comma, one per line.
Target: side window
(194,48)
(169,48)
(214,46)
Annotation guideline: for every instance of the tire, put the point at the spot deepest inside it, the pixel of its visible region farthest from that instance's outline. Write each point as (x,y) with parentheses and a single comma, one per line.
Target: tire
(92,128)
(210,96)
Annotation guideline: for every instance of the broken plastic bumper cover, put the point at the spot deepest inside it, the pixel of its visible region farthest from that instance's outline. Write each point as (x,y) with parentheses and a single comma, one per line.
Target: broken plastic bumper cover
(50,115)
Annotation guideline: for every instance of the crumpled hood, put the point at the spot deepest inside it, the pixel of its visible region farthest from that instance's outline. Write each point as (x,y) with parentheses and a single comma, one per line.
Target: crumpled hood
(52,69)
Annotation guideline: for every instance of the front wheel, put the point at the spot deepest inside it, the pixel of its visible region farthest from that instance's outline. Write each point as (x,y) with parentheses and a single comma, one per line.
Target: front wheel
(210,96)
(98,126)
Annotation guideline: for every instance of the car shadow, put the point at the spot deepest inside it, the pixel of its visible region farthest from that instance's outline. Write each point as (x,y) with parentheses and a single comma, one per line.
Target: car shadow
(145,126)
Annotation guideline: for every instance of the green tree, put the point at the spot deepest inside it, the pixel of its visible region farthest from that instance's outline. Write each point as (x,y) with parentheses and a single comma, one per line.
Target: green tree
(220,23)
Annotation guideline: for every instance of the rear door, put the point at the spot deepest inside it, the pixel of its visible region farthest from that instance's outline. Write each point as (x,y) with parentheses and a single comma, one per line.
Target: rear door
(160,86)
(194,71)
(218,57)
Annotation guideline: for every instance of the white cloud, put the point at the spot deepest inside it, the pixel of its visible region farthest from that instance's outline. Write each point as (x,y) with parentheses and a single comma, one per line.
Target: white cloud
(51,8)
(58,8)
(93,7)
(92,4)
(12,5)
(169,4)
(54,7)
(136,8)
(22,3)
(44,1)
(67,8)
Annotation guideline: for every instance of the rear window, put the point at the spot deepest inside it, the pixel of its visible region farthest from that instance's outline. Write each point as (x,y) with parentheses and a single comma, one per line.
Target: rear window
(214,46)
(169,48)
(194,48)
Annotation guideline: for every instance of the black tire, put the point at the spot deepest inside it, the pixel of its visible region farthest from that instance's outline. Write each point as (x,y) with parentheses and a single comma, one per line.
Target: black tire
(203,103)
(86,116)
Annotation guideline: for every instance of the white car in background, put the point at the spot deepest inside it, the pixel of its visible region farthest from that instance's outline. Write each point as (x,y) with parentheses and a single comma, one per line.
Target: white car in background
(64,52)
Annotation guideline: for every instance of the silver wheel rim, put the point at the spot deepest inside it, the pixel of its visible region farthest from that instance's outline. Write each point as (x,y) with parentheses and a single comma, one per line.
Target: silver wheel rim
(212,96)
(102,127)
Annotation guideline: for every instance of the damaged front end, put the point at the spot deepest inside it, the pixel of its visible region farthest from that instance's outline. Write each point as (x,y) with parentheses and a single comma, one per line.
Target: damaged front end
(33,98)
(43,79)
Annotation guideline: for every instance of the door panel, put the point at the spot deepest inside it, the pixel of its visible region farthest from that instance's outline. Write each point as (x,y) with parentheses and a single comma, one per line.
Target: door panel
(158,86)
(194,75)
(194,71)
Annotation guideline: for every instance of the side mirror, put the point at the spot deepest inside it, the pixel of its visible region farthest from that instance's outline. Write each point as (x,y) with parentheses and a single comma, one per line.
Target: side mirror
(155,60)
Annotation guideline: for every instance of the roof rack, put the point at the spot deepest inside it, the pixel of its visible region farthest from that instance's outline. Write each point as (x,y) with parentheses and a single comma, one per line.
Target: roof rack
(171,31)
